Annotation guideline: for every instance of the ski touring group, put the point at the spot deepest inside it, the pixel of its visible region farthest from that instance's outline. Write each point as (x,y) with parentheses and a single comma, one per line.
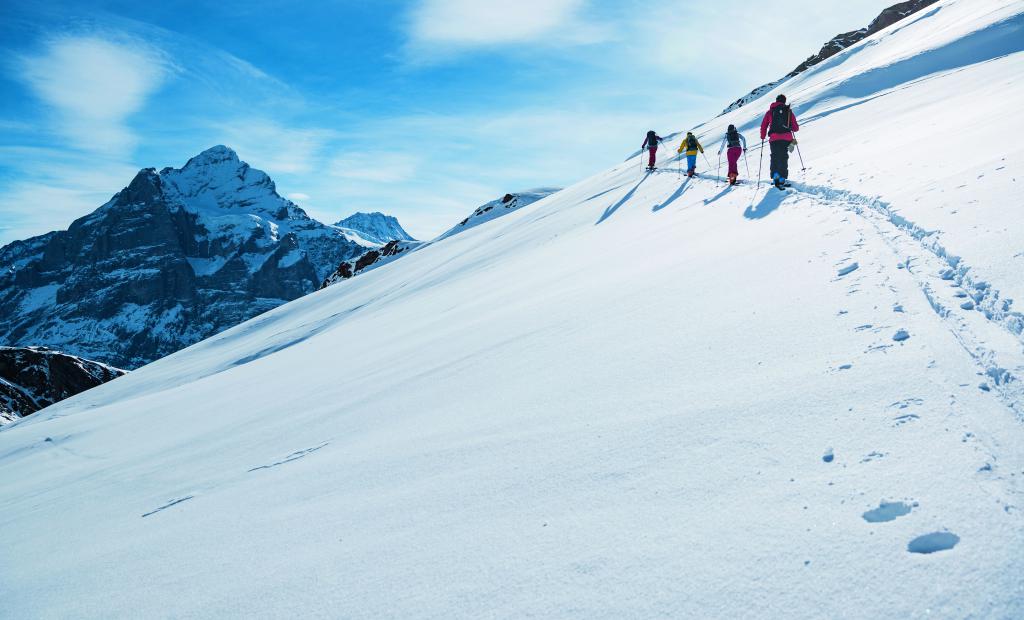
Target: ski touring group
(778,125)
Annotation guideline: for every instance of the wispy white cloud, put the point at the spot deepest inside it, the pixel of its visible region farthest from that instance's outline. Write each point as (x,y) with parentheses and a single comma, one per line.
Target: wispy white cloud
(298,196)
(442,27)
(93,85)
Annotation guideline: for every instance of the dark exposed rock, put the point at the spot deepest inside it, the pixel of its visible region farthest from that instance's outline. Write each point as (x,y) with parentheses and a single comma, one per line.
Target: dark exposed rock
(33,378)
(350,268)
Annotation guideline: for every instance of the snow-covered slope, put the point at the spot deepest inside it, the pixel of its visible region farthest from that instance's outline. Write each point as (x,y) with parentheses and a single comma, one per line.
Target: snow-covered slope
(499,208)
(374,228)
(762,404)
(393,250)
(174,257)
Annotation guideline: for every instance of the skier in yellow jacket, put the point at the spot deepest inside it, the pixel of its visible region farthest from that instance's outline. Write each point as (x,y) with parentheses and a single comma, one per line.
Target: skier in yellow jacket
(691,146)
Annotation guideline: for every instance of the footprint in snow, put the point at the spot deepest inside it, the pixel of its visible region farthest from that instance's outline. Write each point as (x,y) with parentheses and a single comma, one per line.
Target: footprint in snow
(901,335)
(930,543)
(888,511)
(829,456)
(903,419)
(848,269)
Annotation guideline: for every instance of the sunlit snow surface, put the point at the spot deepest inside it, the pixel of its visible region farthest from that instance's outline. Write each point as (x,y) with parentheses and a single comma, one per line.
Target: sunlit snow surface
(611,403)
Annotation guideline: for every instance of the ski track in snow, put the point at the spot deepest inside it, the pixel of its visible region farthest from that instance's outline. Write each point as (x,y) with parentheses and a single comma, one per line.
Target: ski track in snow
(950,269)
(294,456)
(913,245)
(173,502)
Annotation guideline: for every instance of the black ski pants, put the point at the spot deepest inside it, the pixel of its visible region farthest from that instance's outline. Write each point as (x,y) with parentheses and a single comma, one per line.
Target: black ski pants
(780,158)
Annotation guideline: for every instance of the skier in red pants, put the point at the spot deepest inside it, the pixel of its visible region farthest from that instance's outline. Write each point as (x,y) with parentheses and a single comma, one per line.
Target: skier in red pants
(651,144)
(737,144)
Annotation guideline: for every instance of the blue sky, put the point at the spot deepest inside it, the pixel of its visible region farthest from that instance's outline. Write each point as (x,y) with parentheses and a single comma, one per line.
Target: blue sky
(420,108)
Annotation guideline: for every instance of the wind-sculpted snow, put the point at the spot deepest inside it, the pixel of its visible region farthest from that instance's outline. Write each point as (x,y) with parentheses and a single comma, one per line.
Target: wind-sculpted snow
(641,396)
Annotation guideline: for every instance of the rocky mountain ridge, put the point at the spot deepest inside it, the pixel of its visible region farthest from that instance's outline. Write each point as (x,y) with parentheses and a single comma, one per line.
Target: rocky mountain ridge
(34,377)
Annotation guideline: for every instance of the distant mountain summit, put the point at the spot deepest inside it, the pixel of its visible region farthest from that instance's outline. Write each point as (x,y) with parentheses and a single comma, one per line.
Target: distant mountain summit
(375,228)
(176,256)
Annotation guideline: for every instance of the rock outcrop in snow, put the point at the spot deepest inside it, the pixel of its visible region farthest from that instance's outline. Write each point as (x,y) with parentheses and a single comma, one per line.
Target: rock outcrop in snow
(176,256)
(372,258)
(374,228)
(837,44)
(34,377)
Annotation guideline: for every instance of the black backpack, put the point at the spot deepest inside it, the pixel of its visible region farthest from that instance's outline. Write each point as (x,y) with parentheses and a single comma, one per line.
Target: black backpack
(733,138)
(780,119)
(691,143)
(652,139)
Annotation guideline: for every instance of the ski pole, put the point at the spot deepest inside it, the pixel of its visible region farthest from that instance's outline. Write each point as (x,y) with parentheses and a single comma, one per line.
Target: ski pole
(718,171)
(706,159)
(760,162)
(747,162)
(803,168)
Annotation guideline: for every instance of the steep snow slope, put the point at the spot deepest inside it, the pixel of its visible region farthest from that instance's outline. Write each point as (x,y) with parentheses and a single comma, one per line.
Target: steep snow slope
(392,251)
(838,43)
(761,403)
(498,208)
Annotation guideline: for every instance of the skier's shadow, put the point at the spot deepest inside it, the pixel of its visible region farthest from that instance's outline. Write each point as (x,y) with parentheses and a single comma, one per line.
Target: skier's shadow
(769,203)
(679,192)
(615,207)
(725,191)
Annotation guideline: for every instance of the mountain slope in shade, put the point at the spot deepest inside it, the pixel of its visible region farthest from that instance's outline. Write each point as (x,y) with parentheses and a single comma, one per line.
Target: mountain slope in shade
(375,228)
(176,256)
(33,378)
(641,397)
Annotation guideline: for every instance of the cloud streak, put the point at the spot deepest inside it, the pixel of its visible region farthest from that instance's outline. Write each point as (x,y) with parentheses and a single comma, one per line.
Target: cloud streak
(94,85)
(443,27)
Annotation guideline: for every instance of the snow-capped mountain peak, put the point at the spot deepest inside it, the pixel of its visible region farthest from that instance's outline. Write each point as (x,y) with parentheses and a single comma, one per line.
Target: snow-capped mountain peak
(375,228)
(175,256)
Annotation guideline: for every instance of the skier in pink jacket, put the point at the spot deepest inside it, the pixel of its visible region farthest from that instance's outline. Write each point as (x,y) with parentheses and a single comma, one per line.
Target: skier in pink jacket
(779,124)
